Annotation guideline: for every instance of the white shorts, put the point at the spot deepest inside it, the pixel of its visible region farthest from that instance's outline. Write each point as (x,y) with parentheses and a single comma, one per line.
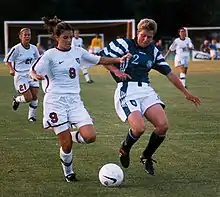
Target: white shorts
(181,61)
(22,82)
(213,53)
(60,111)
(130,97)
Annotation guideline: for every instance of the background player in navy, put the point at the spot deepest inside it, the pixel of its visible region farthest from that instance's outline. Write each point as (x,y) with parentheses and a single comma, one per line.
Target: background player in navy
(134,97)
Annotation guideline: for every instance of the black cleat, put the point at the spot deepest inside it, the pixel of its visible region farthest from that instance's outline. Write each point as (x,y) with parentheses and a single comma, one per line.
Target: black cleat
(148,165)
(32,119)
(71,178)
(15,104)
(124,158)
(90,81)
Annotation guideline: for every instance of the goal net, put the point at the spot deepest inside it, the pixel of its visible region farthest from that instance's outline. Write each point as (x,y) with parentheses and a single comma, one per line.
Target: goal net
(199,34)
(108,29)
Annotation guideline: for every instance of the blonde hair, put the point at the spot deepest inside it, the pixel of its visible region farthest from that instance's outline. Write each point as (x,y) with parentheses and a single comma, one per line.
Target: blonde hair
(24,29)
(147,24)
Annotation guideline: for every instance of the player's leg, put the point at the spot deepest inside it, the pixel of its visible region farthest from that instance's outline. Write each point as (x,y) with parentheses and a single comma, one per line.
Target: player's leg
(33,104)
(55,117)
(156,115)
(80,118)
(65,141)
(137,128)
(183,73)
(22,86)
(131,112)
(86,75)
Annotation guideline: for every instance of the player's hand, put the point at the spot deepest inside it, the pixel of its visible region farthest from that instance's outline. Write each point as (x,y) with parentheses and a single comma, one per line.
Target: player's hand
(125,57)
(123,76)
(36,76)
(12,72)
(193,99)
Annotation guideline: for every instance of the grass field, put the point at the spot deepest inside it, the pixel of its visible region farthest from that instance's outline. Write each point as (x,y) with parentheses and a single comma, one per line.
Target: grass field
(188,160)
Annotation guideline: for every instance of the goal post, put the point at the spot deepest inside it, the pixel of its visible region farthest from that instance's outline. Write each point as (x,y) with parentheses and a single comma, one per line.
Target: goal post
(199,34)
(111,29)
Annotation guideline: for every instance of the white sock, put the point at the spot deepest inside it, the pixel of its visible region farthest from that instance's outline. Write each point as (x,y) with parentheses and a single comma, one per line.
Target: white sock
(66,161)
(183,79)
(86,74)
(32,109)
(76,137)
(20,99)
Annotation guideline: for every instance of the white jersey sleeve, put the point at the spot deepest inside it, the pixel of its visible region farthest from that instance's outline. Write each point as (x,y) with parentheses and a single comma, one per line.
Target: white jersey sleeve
(191,46)
(41,65)
(88,59)
(12,55)
(173,45)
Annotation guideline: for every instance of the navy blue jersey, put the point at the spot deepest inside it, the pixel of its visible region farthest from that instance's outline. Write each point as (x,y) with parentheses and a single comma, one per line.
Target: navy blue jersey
(142,61)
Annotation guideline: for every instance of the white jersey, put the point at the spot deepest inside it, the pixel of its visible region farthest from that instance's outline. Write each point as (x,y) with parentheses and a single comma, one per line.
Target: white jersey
(182,47)
(22,58)
(77,42)
(61,69)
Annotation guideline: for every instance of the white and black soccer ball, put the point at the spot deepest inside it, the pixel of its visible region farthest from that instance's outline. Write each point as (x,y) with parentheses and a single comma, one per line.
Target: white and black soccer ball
(111,175)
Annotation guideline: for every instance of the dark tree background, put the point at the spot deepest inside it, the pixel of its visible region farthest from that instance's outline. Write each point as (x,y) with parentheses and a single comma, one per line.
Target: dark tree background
(169,14)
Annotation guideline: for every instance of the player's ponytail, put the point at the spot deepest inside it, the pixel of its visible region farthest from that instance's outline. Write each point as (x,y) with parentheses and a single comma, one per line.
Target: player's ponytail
(55,26)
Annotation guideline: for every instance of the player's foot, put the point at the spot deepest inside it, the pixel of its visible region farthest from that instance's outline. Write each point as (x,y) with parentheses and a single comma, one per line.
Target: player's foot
(124,158)
(15,104)
(32,119)
(71,178)
(148,164)
(90,81)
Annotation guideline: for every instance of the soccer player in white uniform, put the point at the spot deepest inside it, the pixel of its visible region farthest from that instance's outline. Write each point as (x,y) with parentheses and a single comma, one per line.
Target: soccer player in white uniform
(78,42)
(19,60)
(59,69)
(182,46)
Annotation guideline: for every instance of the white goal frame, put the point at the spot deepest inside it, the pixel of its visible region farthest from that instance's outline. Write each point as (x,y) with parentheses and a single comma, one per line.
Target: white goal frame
(39,36)
(199,28)
(6,23)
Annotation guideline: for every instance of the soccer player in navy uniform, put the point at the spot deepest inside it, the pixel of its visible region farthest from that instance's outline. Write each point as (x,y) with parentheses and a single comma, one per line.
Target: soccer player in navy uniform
(134,97)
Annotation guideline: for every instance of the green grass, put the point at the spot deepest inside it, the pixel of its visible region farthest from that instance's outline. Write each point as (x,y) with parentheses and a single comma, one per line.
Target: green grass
(188,160)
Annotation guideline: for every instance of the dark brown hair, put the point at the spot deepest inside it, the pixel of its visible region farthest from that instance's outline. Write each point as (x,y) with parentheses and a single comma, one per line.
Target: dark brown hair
(56,26)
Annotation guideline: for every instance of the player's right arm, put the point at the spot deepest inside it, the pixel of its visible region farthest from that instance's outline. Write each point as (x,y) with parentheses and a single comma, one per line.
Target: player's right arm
(171,49)
(39,68)
(10,58)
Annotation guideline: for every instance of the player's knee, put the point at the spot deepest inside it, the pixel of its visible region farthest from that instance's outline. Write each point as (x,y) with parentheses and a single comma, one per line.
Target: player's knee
(90,138)
(139,129)
(162,128)
(28,97)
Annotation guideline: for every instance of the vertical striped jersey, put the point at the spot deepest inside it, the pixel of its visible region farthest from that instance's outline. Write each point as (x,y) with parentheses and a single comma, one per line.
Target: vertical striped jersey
(142,61)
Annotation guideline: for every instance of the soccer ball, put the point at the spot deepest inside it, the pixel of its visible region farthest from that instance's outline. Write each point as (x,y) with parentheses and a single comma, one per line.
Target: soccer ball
(111,175)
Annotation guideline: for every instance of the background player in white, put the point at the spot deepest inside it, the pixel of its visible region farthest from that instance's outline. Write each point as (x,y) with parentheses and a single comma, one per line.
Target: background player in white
(19,60)
(182,46)
(78,42)
(62,104)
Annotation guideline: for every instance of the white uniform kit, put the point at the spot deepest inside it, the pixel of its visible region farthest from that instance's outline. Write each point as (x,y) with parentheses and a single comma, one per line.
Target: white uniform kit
(62,102)
(22,58)
(182,47)
(77,42)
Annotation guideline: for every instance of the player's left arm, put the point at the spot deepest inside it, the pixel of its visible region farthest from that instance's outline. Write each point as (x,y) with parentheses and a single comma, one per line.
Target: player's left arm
(174,79)
(190,45)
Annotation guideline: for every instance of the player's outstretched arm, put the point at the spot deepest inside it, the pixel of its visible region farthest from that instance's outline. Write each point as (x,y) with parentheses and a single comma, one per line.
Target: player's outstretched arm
(175,81)
(109,60)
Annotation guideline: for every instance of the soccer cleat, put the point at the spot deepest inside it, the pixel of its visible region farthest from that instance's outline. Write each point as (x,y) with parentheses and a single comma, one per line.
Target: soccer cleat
(71,178)
(90,81)
(15,104)
(32,119)
(148,164)
(124,158)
